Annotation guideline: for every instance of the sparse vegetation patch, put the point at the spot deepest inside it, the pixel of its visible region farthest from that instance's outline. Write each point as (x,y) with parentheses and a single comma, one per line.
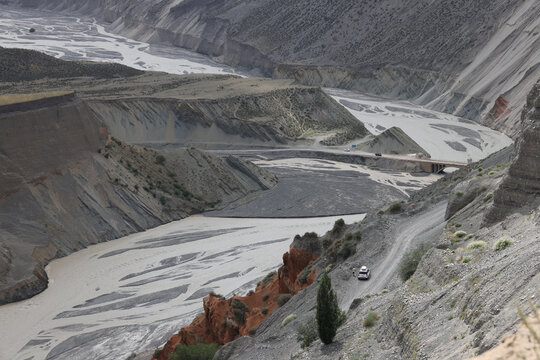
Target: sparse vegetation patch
(307,332)
(283,298)
(477,245)
(287,320)
(503,243)
(370,319)
(410,261)
(194,352)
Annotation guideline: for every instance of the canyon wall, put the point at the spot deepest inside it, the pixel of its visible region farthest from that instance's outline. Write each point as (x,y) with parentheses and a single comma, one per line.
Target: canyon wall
(66,184)
(451,56)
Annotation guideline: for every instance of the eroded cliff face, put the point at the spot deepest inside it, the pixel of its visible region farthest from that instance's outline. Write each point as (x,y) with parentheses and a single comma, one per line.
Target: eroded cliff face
(66,184)
(225,320)
(520,190)
(273,118)
(450,55)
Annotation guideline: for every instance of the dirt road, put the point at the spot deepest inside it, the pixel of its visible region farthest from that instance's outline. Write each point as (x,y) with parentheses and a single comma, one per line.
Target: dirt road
(412,231)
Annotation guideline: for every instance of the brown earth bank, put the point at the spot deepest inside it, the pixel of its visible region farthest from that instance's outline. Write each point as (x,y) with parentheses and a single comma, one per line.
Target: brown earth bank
(225,320)
(435,53)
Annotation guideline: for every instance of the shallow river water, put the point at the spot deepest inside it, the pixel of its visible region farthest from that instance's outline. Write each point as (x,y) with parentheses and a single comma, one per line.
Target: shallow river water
(130,294)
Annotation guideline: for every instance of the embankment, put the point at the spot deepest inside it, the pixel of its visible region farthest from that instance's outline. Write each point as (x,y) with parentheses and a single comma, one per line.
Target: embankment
(277,117)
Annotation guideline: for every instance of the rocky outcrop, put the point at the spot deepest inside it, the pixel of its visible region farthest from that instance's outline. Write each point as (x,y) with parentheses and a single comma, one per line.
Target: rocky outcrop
(66,184)
(393,141)
(520,190)
(500,109)
(225,320)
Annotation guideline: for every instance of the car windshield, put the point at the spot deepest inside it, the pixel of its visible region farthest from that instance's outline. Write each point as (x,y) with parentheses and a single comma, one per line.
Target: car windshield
(363,271)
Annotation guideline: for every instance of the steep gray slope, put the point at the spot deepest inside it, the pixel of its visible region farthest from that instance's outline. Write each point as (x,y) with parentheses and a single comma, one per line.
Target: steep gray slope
(456,56)
(65,184)
(463,297)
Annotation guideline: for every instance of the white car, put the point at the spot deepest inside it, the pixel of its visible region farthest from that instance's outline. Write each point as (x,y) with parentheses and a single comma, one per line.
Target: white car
(347,150)
(364,273)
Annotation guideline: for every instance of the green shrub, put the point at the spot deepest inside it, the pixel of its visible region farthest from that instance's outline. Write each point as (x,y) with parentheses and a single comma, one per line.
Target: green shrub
(488,197)
(268,278)
(370,319)
(302,278)
(163,200)
(307,332)
(194,352)
(326,243)
(460,234)
(160,159)
(503,243)
(238,304)
(394,208)
(346,250)
(342,317)
(410,261)
(283,298)
(265,297)
(477,245)
(287,320)
(458,225)
(264,310)
(239,315)
(338,226)
(156,353)
(459,193)
(466,259)
(252,331)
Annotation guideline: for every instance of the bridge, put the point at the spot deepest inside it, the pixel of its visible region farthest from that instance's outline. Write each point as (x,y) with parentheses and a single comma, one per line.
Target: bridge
(437,166)
(408,163)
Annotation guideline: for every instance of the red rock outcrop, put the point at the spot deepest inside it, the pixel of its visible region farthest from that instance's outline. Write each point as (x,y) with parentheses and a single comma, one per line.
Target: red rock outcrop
(224,320)
(499,109)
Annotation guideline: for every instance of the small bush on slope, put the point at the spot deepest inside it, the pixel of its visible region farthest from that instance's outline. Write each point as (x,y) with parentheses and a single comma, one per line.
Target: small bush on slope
(410,261)
(307,333)
(194,352)
(477,245)
(503,243)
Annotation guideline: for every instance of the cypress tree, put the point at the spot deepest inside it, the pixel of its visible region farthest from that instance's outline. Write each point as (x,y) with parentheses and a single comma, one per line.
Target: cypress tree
(328,311)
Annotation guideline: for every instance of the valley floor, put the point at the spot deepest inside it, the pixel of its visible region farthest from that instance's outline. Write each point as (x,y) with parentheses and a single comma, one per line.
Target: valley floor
(130,294)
